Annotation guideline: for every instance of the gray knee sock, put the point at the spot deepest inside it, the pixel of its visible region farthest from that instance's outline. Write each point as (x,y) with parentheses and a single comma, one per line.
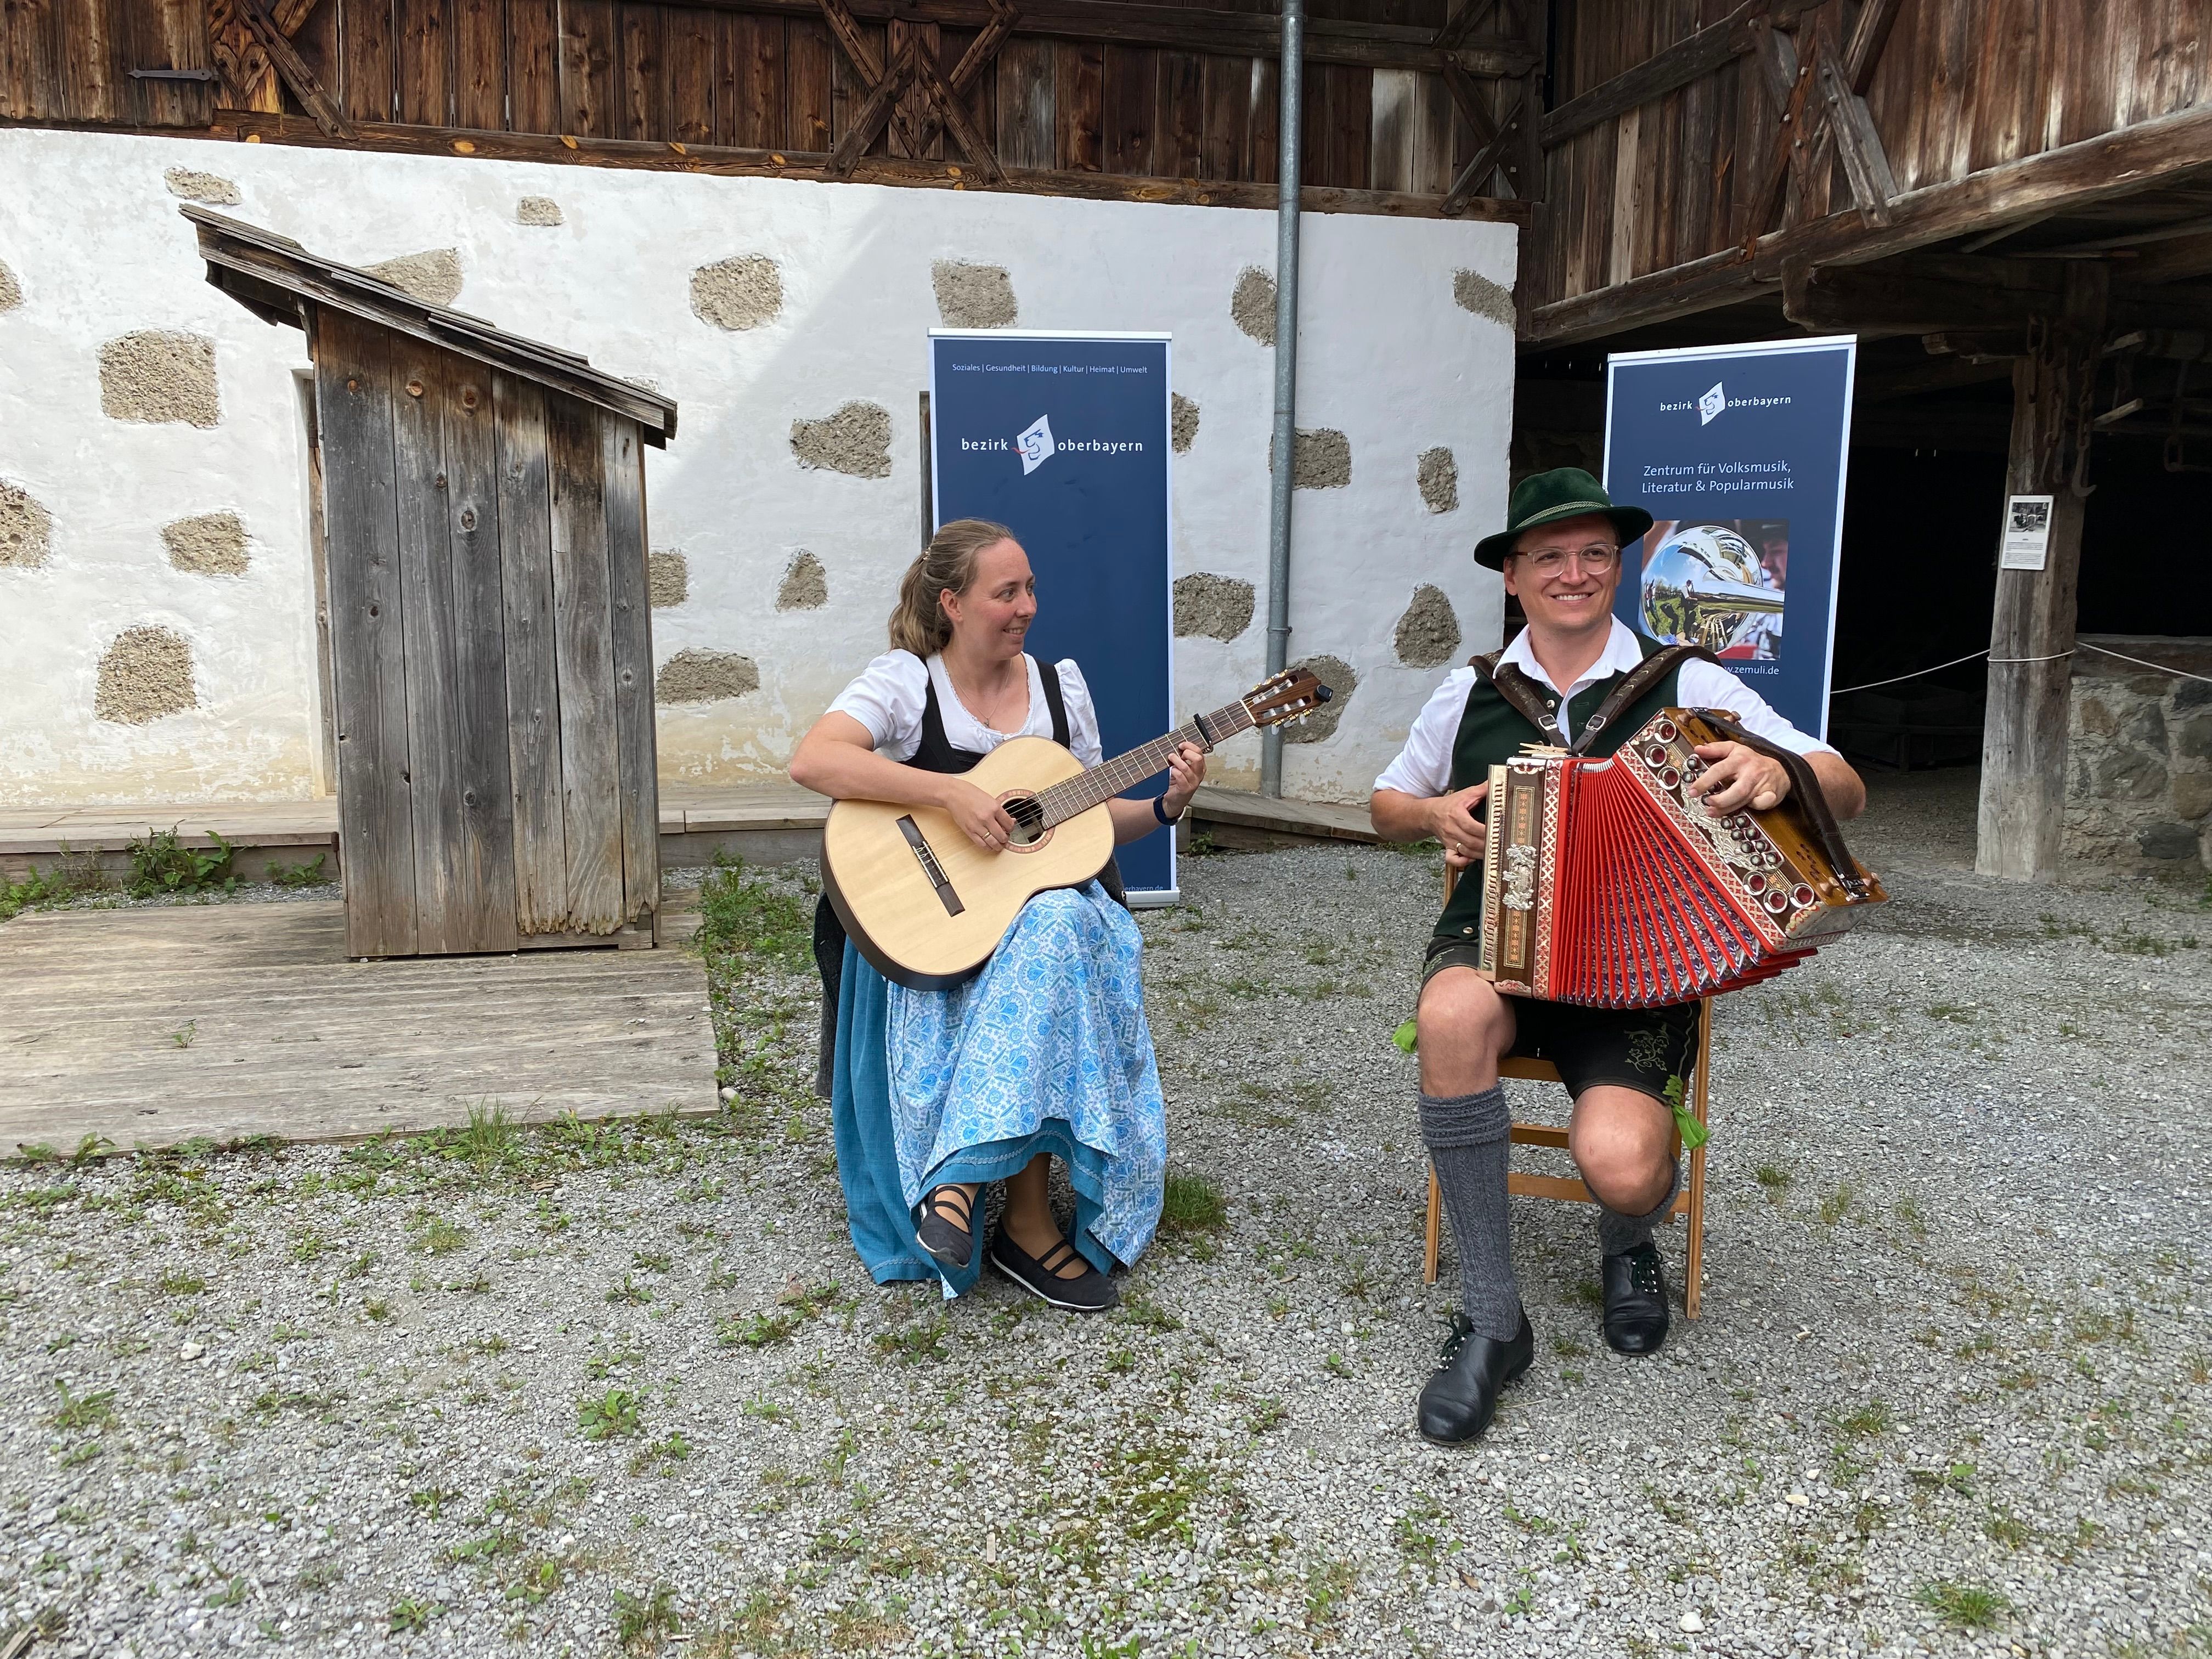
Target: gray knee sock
(1617,1232)
(1465,1138)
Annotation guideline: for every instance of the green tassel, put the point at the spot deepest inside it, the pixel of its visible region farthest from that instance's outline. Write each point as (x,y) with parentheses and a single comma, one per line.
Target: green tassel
(1405,1036)
(1694,1134)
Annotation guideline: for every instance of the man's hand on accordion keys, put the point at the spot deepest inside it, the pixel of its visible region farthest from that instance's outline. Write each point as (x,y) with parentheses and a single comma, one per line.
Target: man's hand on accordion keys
(1737,777)
(1453,824)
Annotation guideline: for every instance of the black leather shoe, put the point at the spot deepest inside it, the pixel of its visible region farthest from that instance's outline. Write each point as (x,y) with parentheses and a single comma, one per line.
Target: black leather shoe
(1635,1301)
(1462,1394)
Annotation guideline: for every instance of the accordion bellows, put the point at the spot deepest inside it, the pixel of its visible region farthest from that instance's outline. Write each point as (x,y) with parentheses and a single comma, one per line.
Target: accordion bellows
(1606,884)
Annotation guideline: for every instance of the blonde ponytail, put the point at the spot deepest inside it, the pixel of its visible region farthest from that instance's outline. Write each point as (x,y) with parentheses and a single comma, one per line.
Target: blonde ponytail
(918,622)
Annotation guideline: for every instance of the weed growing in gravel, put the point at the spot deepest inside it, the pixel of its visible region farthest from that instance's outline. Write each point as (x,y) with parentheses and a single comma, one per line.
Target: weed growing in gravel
(916,1343)
(1416,1531)
(1192,1204)
(442,1237)
(744,916)
(432,1500)
(1267,1414)
(603,1416)
(754,1330)
(662,1455)
(1328,1589)
(1140,1311)
(628,1293)
(174,1282)
(410,1613)
(162,864)
(2007,1529)
(91,1411)
(1963,1606)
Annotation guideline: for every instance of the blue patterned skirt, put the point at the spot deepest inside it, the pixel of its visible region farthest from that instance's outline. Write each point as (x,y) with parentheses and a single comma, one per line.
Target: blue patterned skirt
(1046,1050)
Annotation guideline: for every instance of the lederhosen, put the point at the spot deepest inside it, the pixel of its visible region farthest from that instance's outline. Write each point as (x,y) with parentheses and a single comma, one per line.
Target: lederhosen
(1637,1049)
(934,753)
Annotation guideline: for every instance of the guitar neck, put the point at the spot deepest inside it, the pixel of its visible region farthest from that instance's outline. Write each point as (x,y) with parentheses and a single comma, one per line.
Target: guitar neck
(1125,772)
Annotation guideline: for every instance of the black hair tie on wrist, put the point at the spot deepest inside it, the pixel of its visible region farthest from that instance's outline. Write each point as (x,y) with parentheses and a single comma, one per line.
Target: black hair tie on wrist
(1157,811)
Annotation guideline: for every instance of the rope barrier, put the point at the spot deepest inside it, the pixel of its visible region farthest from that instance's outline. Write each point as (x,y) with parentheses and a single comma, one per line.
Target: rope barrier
(2008,662)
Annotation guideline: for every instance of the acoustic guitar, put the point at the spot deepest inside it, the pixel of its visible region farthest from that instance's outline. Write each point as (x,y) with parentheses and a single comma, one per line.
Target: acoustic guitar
(926,906)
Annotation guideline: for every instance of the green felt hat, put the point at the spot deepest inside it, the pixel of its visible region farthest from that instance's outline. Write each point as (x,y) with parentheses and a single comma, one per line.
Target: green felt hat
(1564,492)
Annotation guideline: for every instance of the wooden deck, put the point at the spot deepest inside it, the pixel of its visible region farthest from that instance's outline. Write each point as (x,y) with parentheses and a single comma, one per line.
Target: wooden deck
(767,821)
(153,1026)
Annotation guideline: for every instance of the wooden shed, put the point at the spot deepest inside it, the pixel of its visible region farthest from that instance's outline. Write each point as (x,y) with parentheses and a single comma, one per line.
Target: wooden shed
(482,508)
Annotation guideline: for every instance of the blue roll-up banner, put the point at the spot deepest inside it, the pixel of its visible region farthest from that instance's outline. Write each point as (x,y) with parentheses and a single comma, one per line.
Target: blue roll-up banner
(1739,453)
(1063,438)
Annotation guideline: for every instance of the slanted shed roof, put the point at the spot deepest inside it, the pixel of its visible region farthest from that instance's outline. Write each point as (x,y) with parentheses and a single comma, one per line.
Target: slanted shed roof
(271,275)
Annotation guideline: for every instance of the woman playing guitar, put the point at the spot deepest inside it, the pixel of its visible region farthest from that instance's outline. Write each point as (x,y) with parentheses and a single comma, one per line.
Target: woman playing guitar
(936,1093)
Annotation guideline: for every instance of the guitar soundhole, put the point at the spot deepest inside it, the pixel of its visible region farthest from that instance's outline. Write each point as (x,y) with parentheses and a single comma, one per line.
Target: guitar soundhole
(1029,820)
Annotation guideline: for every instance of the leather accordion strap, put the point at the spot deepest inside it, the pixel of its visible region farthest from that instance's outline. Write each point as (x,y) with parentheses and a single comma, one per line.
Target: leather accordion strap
(1807,787)
(1524,695)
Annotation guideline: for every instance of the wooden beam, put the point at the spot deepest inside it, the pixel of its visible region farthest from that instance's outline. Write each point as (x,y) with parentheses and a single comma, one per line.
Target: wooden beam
(1869,301)
(2020,824)
(1788,151)
(1485,162)
(951,111)
(981,51)
(293,69)
(1869,35)
(1866,164)
(2174,261)
(884,89)
(714,160)
(2151,155)
(1691,59)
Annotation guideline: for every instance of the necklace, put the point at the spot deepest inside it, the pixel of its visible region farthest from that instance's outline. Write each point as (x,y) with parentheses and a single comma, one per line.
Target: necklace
(987,711)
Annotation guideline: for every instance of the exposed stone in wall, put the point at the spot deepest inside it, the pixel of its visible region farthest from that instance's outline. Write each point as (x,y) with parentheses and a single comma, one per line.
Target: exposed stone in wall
(805,584)
(11,291)
(1477,293)
(1182,422)
(738,293)
(697,676)
(667,580)
(26,528)
(857,439)
(2139,761)
(207,187)
(145,674)
(1439,481)
(973,297)
(156,376)
(433,275)
(538,211)
(1428,634)
(1323,460)
(1336,674)
(211,544)
(1219,607)
(1252,306)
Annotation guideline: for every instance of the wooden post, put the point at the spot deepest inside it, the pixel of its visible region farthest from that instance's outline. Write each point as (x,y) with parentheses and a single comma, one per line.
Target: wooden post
(2021,827)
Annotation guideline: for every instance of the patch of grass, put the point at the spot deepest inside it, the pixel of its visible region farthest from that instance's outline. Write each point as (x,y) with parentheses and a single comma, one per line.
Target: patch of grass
(754,1330)
(643,1622)
(2007,1529)
(1140,1311)
(442,1237)
(1871,1420)
(603,1416)
(490,1134)
(162,864)
(1962,1606)
(1192,1203)
(1838,1206)
(175,1283)
(1328,1591)
(916,1344)
(742,915)
(91,1411)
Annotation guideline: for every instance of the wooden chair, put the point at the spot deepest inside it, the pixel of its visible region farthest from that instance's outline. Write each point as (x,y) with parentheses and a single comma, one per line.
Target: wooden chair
(1690,1201)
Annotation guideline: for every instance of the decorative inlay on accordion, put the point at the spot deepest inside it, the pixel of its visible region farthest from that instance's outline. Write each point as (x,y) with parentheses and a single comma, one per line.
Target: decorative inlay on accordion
(1606,884)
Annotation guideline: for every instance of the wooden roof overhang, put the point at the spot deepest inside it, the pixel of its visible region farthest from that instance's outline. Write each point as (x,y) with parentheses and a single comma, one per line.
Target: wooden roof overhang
(276,279)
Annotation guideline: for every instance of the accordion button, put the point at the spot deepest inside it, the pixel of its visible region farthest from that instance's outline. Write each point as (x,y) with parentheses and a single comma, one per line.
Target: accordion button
(1467,930)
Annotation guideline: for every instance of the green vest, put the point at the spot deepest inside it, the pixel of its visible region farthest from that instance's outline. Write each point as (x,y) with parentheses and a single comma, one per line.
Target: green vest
(1492,731)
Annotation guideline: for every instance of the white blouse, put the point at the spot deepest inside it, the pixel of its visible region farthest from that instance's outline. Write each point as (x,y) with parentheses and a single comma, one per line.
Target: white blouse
(889,697)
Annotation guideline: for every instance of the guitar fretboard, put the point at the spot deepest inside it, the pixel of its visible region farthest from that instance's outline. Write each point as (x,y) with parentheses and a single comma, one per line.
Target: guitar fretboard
(1125,772)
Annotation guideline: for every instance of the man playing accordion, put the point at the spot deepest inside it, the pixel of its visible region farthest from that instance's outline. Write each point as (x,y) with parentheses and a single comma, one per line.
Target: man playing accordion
(1580,673)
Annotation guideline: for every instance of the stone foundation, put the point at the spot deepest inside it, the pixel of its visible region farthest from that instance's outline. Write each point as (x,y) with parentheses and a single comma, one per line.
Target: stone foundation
(2139,761)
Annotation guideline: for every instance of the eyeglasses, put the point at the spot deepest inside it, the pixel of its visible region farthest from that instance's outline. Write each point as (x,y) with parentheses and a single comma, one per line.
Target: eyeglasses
(1597,559)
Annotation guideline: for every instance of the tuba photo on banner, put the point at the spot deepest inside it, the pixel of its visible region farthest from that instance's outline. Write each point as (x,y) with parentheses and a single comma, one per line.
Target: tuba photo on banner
(1738,454)
(1063,438)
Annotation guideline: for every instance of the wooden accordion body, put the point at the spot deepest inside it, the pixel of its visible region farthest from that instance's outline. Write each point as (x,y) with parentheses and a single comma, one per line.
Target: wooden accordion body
(1605,885)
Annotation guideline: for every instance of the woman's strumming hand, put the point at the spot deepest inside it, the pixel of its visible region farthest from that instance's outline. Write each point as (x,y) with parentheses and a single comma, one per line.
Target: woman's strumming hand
(980,818)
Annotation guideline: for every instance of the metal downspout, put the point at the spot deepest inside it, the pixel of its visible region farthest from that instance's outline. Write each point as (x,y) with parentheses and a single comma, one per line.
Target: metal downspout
(1289,143)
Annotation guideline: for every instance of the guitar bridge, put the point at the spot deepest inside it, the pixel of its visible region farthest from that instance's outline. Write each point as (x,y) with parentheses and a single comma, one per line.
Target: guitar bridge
(930,869)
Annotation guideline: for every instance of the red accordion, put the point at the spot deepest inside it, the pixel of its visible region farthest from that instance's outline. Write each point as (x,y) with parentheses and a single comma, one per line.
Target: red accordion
(1605,883)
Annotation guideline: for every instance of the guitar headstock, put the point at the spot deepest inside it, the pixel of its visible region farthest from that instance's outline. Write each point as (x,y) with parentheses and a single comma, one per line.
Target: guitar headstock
(1285,697)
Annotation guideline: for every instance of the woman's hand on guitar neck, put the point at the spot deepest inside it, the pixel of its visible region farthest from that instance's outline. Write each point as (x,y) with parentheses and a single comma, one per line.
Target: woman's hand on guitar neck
(980,818)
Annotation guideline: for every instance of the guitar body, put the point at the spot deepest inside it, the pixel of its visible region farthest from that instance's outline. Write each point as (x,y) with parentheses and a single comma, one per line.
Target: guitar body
(926,906)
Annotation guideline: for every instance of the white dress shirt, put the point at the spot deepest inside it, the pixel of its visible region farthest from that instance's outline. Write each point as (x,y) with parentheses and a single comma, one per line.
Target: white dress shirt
(1423,765)
(889,697)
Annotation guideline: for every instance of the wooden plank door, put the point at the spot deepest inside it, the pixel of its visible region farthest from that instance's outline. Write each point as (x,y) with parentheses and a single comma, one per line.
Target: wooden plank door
(376,829)
(583,651)
(631,608)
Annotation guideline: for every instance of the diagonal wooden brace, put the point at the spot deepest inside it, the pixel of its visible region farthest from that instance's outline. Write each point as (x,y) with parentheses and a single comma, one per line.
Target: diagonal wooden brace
(981,51)
(1791,150)
(1487,159)
(953,113)
(292,68)
(874,112)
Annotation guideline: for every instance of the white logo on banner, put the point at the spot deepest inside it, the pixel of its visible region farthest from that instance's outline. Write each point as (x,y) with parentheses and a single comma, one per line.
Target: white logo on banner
(1035,444)
(1711,405)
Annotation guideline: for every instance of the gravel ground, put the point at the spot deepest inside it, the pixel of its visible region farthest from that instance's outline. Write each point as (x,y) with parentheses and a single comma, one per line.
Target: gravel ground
(1950,1393)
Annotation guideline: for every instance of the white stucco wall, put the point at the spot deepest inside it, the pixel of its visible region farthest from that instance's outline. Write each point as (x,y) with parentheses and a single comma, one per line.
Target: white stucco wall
(91,234)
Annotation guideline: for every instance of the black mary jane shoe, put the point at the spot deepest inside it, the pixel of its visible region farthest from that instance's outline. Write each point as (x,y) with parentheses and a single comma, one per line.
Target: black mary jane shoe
(1636,1316)
(946,1225)
(1462,1394)
(1089,1291)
